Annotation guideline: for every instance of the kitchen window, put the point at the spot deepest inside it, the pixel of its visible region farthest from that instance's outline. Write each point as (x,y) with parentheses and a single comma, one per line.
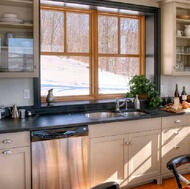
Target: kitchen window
(89,54)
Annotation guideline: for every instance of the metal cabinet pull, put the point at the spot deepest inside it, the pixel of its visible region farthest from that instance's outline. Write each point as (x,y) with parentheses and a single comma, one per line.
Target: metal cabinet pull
(176,132)
(127,143)
(131,143)
(176,147)
(8,152)
(7,141)
(178,121)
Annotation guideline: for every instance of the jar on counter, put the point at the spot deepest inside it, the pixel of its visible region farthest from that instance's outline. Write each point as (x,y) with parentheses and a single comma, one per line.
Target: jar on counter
(2,112)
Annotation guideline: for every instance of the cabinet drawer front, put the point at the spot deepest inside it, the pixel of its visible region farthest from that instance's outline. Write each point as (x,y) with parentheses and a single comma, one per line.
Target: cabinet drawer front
(172,149)
(118,128)
(175,121)
(175,133)
(12,140)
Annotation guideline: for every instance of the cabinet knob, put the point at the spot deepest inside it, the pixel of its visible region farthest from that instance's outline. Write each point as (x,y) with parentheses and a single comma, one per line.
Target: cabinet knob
(127,143)
(177,121)
(7,141)
(176,132)
(176,147)
(35,66)
(8,152)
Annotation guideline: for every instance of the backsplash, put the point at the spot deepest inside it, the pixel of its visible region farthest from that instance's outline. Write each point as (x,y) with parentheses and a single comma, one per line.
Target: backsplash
(168,84)
(12,89)
(12,92)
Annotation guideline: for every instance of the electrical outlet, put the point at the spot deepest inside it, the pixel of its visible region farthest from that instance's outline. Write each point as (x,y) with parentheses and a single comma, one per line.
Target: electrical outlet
(26,93)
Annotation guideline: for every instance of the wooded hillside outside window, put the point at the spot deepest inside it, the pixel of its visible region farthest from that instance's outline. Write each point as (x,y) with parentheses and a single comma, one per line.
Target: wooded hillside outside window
(89,54)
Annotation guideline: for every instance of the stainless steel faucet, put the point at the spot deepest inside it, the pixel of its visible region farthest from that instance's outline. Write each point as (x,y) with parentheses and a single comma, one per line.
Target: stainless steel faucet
(118,106)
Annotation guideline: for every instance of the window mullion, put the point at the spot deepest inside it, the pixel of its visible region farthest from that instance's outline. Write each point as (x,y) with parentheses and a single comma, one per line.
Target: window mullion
(95,53)
(142,44)
(119,36)
(65,31)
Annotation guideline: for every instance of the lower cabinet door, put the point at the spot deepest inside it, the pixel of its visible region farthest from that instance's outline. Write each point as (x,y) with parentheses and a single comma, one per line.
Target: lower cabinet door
(106,159)
(15,168)
(144,156)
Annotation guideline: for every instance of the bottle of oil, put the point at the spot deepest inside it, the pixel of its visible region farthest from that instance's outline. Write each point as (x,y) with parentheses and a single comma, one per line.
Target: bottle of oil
(137,102)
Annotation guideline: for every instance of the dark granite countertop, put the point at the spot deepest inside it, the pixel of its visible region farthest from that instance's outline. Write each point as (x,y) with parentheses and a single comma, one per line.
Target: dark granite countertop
(51,121)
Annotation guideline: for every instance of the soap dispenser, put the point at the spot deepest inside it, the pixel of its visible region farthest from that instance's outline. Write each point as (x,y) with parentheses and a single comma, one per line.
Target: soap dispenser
(137,102)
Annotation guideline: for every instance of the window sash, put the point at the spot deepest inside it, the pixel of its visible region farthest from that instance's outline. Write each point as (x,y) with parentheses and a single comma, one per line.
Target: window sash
(93,51)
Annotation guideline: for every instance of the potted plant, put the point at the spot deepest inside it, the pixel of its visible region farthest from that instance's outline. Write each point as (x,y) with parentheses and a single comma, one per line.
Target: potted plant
(142,86)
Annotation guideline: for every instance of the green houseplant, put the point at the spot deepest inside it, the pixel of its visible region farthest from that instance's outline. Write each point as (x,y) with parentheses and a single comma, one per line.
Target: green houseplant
(142,86)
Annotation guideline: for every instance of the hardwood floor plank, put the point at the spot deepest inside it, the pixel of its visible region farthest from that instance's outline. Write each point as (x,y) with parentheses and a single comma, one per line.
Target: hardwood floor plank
(169,183)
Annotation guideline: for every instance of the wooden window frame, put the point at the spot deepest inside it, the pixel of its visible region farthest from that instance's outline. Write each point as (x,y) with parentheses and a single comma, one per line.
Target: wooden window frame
(141,54)
(93,53)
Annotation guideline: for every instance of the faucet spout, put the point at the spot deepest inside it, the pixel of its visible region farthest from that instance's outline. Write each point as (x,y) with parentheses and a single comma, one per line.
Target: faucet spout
(118,106)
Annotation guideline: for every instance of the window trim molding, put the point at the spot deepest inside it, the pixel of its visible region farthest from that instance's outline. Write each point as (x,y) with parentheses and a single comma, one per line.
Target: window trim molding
(152,12)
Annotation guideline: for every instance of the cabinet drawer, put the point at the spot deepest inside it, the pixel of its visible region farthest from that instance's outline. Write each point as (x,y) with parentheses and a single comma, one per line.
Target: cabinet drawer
(173,148)
(12,140)
(119,128)
(176,121)
(168,134)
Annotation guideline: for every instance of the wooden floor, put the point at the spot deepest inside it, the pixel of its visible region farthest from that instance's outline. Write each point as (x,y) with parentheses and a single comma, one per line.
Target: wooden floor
(166,184)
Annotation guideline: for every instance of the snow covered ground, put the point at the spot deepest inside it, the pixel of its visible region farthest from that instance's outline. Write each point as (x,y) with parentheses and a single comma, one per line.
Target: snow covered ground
(71,77)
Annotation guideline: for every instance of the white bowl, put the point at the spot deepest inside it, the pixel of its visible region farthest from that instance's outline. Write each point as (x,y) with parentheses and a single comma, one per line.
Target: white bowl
(10,16)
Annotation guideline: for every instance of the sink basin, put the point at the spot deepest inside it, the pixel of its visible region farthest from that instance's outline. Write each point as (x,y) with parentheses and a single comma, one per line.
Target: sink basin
(108,114)
(136,113)
(102,115)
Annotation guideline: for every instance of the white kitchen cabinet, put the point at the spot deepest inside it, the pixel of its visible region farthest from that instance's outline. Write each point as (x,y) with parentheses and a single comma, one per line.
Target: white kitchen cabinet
(107,156)
(175,139)
(143,156)
(175,50)
(15,161)
(126,152)
(19,38)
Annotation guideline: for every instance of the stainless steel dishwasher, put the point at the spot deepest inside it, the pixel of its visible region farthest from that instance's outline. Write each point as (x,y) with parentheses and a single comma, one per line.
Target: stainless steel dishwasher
(60,158)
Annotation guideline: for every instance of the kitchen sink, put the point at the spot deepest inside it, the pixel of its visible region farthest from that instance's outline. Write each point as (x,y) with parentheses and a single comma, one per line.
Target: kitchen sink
(102,115)
(109,114)
(136,113)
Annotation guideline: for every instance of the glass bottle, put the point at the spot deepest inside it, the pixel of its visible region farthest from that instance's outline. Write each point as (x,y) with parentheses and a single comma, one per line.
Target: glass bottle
(176,94)
(183,94)
(137,102)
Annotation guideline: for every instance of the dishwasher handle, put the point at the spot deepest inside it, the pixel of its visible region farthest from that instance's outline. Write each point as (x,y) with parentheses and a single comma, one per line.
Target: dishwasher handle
(59,133)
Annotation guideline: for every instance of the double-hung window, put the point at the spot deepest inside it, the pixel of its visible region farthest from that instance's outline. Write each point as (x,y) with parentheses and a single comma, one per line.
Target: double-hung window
(89,53)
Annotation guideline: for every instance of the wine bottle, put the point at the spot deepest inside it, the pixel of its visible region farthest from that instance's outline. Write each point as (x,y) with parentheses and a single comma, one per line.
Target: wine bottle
(183,94)
(176,94)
